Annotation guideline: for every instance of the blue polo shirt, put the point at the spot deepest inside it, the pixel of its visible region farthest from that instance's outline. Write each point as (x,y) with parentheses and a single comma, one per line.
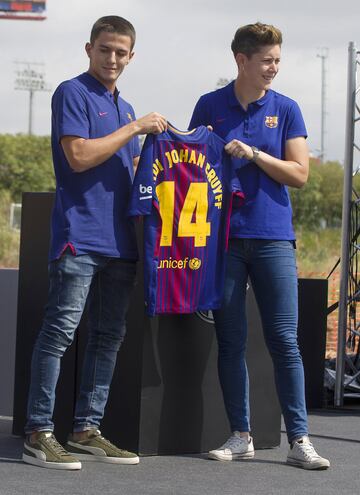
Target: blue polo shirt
(89,210)
(267,124)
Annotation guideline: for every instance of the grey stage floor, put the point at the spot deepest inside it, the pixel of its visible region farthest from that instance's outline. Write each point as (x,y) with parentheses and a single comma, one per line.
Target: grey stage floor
(336,435)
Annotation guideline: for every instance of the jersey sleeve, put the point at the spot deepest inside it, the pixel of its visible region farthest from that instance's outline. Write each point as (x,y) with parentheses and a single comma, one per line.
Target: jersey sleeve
(296,125)
(142,193)
(69,112)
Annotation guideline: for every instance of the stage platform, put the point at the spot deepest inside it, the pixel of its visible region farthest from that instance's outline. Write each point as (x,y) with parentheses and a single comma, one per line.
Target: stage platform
(336,434)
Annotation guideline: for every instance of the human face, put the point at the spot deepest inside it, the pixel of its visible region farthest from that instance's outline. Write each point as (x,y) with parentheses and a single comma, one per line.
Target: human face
(109,54)
(260,69)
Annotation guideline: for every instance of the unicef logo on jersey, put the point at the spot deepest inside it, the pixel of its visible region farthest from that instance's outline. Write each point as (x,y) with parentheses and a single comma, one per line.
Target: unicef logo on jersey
(182,264)
(194,263)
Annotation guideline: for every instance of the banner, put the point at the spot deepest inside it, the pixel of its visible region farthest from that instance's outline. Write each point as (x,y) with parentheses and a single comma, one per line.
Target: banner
(22,9)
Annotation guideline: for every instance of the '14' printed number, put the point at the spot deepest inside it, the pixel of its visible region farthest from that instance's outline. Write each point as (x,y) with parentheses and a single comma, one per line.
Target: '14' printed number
(196,201)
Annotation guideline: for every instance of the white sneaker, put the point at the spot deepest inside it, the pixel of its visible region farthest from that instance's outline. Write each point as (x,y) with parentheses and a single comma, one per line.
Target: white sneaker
(303,454)
(235,447)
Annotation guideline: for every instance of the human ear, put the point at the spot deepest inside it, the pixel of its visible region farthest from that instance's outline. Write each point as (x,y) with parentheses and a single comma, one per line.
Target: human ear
(240,60)
(88,48)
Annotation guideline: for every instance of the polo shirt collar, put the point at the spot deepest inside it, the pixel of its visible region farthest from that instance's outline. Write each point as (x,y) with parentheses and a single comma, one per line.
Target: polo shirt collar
(233,101)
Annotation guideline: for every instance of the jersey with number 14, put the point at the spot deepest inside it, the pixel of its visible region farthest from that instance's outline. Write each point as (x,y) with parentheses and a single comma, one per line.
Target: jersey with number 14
(184,187)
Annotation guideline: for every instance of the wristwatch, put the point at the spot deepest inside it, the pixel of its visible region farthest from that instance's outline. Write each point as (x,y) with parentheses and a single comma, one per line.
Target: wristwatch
(256,153)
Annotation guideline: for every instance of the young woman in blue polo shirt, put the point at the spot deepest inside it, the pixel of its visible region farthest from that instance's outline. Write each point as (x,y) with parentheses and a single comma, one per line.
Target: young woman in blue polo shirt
(266,136)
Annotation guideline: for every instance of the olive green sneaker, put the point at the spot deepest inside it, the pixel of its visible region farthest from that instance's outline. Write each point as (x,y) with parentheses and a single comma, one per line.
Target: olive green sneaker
(97,448)
(46,452)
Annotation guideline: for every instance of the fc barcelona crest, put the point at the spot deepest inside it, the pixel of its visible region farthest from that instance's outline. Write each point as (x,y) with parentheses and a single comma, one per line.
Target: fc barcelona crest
(271,121)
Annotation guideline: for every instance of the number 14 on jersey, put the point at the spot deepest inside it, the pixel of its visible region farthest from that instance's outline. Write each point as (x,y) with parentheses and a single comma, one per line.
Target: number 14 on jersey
(193,215)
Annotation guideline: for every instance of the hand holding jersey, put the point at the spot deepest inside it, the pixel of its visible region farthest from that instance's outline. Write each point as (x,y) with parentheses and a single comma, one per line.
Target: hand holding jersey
(153,123)
(238,149)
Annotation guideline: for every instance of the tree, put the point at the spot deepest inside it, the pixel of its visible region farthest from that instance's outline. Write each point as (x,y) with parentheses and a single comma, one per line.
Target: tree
(25,164)
(330,205)
(320,200)
(305,201)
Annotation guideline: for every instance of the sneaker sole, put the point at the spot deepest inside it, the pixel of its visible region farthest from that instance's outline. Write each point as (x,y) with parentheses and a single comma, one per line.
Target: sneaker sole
(223,457)
(109,460)
(307,465)
(68,466)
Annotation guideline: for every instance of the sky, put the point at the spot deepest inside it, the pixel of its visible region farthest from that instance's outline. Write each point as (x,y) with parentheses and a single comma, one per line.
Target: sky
(181,52)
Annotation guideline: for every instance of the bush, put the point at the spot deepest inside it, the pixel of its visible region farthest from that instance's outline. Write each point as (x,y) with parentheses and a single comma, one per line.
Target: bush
(25,164)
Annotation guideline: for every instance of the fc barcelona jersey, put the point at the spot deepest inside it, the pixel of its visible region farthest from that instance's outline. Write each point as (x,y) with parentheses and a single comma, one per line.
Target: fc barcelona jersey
(184,188)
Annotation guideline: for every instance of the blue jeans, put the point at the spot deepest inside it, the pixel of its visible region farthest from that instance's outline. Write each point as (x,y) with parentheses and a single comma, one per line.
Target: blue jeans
(271,267)
(106,283)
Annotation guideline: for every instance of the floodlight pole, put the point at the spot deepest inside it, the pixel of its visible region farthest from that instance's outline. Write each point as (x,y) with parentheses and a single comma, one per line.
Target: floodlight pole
(31,80)
(31,99)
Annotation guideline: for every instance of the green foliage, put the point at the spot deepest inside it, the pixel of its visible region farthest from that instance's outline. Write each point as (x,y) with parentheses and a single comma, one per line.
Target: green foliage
(306,202)
(9,238)
(319,202)
(25,164)
(330,206)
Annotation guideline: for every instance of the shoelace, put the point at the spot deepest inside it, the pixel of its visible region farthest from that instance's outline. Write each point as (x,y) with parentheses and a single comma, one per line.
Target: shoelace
(308,450)
(54,444)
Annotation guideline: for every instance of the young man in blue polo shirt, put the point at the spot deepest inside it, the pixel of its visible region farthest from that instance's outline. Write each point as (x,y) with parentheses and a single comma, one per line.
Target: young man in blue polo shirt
(93,248)
(266,136)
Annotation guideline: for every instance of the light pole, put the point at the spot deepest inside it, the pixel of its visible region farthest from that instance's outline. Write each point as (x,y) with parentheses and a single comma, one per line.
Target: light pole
(30,76)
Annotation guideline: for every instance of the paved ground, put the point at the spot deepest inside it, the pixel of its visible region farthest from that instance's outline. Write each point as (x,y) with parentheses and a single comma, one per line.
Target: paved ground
(336,435)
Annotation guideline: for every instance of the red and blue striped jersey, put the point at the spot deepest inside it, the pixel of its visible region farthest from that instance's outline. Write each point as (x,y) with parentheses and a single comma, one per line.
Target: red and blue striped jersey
(184,187)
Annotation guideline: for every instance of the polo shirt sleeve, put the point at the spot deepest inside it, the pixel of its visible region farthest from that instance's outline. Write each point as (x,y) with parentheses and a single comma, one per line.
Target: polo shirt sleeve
(200,114)
(296,125)
(69,110)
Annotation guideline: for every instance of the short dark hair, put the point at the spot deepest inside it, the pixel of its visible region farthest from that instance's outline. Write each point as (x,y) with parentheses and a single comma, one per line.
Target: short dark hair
(251,38)
(113,24)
